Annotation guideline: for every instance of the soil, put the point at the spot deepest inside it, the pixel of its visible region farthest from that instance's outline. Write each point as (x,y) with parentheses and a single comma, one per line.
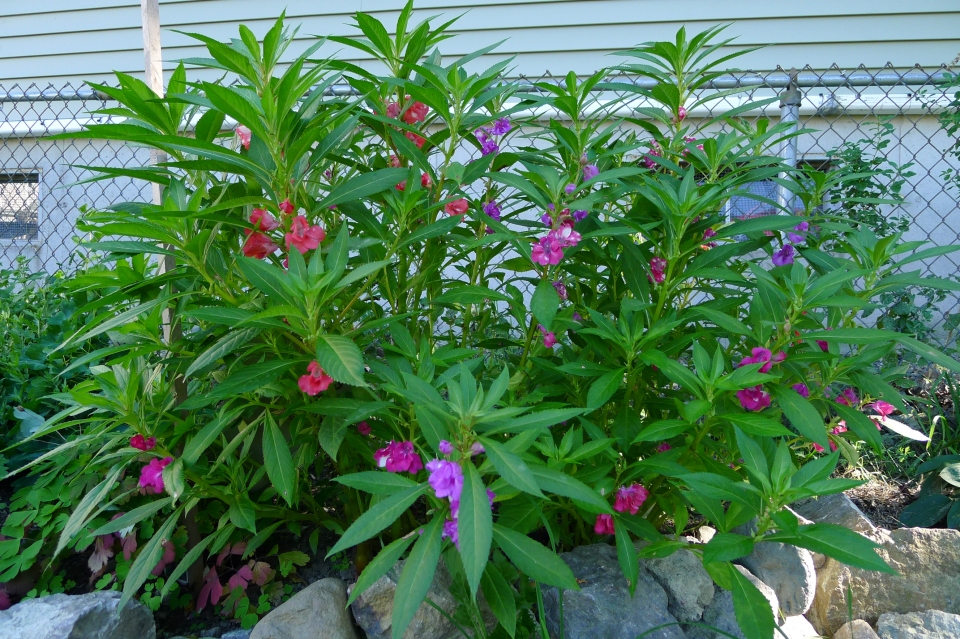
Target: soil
(882,499)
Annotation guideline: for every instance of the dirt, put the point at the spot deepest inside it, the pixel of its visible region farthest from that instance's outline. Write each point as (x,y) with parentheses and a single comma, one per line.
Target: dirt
(882,499)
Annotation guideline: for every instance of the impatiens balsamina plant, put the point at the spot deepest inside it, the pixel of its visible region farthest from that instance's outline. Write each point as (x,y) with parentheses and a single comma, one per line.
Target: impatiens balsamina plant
(443,314)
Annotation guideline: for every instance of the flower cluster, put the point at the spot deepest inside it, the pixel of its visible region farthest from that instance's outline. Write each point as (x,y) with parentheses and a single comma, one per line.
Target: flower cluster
(786,254)
(549,249)
(301,235)
(489,137)
(760,355)
(399,457)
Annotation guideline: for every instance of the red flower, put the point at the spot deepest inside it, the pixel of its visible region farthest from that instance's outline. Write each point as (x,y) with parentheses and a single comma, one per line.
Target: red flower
(457,207)
(425,181)
(303,236)
(315,381)
(286,207)
(263,221)
(416,112)
(630,498)
(258,246)
(138,441)
(416,139)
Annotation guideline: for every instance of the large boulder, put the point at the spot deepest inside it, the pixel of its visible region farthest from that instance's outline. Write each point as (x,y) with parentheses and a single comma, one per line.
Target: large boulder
(932,624)
(720,614)
(835,509)
(603,606)
(928,563)
(319,610)
(788,570)
(682,575)
(856,629)
(91,616)
(373,609)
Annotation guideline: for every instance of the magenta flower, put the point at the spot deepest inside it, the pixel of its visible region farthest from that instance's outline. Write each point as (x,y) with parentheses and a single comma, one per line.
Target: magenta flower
(286,207)
(450,532)
(364,428)
(315,381)
(848,397)
(580,215)
(654,151)
(754,399)
(802,389)
(446,479)
(663,447)
(822,344)
(500,126)
(445,447)
(604,525)
(802,227)
(399,457)
(709,233)
(658,267)
(139,442)
(879,406)
(841,427)
(561,289)
(151,475)
(758,355)
(590,171)
(565,234)
(549,338)
(630,498)
(570,188)
(547,251)
(784,257)
(681,113)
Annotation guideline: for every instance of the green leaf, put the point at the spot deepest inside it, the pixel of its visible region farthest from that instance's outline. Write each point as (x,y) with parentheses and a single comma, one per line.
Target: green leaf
(803,415)
(470,294)
(245,380)
(663,429)
(860,424)
(499,596)
(268,279)
(133,517)
(278,461)
(173,482)
(559,483)
(727,547)
(121,319)
(926,511)
(79,517)
(751,608)
(533,421)
(544,303)
(533,560)
(753,457)
(840,543)
(207,435)
(626,554)
(951,474)
(362,271)
(243,513)
(363,185)
(440,227)
(341,359)
(511,468)
(417,576)
(756,425)
(376,482)
(383,562)
(474,527)
(147,559)
(378,517)
(603,388)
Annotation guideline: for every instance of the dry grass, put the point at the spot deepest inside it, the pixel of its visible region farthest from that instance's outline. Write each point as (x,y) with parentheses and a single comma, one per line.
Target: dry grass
(882,498)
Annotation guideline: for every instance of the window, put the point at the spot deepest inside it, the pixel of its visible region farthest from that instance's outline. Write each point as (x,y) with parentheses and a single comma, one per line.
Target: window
(19,205)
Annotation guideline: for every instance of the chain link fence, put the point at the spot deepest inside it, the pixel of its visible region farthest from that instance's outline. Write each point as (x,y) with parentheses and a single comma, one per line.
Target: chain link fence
(43,187)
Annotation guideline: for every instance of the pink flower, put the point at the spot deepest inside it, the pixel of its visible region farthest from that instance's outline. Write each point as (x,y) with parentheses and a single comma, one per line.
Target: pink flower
(151,475)
(848,397)
(823,345)
(394,161)
(450,532)
(416,112)
(393,110)
(663,447)
(802,389)
(548,251)
(244,134)
(630,498)
(565,234)
(549,338)
(561,289)
(784,257)
(590,171)
(364,428)
(709,233)
(476,448)
(681,113)
(658,267)
(445,447)
(4,599)
(138,441)
(419,140)
(263,221)
(315,381)
(604,525)
(303,236)
(456,207)
(169,554)
(446,479)
(399,457)
(881,407)
(425,181)
(258,246)
(841,427)
(754,399)
(286,207)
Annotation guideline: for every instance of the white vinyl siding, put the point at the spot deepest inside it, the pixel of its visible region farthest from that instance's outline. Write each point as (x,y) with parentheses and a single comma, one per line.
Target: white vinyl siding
(54,41)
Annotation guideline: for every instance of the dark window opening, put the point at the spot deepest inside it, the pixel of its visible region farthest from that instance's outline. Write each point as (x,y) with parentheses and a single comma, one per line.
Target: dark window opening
(19,205)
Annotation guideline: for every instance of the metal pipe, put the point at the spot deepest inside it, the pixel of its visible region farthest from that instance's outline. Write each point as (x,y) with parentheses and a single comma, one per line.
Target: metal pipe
(790,101)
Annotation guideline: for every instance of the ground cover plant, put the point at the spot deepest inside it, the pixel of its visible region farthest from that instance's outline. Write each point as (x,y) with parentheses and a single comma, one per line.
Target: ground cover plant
(449,315)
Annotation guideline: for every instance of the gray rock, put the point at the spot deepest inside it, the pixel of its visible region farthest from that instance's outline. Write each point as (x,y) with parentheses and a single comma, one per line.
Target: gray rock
(932,624)
(835,509)
(797,628)
(603,606)
(373,610)
(856,629)
(240,633)
(928,563)
(720,613)
(90,616)
(689,588)
(319,610)
(788,570)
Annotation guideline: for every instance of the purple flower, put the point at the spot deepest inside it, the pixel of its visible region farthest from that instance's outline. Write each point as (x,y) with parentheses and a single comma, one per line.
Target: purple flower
(579,216)
(488,146)
(590,171)
(577,317)
(476,448)
(549,338)
(848,397)
(500,126)
(547,251)
(802,227)
(547,219)
(446,479)
(784,257)
(450,532)
(492,209)
(802,389)
(445,447)
(570,188)
(561,289)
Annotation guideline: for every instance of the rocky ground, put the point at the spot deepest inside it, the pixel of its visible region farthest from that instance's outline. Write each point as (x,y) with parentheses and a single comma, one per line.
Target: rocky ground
(810,595)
